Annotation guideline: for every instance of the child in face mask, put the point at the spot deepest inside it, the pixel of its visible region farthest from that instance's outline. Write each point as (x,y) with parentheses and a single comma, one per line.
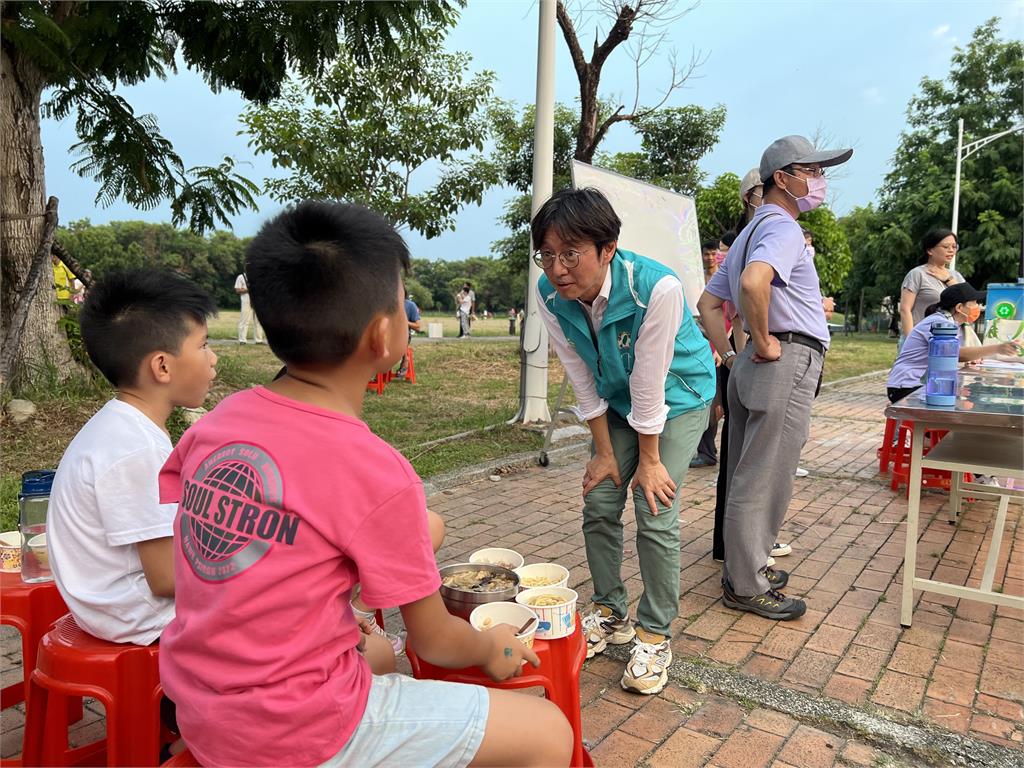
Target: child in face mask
(957,304)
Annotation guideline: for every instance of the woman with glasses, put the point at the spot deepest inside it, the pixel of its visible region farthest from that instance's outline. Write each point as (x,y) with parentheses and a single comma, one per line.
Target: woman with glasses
(644,378)
(923,284)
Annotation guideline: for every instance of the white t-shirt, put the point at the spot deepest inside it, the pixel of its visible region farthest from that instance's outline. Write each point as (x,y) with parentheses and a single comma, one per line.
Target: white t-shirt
(466,299)
(104,501)
(241,284)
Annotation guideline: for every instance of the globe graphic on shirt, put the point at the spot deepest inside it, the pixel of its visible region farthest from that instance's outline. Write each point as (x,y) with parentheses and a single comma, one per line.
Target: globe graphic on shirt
(232,512)
(234,478)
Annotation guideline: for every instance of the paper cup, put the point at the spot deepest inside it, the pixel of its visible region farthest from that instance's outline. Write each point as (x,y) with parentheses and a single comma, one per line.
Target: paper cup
(542,575)
(38,546)
(506,558)
(10,552)
(558,620)
(491,614)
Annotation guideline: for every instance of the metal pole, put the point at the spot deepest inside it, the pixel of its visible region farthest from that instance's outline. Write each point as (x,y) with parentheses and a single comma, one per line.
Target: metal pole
(534,380)
(956,181)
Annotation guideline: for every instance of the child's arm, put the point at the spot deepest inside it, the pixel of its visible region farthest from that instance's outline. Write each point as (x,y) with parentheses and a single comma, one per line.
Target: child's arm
(448,641)
(157,556)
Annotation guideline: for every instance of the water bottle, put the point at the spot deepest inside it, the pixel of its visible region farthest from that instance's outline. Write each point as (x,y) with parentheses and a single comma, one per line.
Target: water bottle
(32,504)
(943,362)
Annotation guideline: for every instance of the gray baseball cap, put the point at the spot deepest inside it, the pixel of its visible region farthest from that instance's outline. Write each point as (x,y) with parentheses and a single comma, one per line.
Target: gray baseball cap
(797,149)
(751,180)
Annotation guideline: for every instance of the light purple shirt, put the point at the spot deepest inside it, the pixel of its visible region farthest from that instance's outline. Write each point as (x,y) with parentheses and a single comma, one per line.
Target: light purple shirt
(912,362)
(795,303)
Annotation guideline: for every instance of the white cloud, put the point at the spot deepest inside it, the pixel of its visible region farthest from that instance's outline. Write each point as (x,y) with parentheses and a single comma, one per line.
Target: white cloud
(940,31)
(873,95)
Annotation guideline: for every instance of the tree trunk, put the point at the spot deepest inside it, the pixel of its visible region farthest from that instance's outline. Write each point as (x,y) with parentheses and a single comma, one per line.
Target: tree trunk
(43,344)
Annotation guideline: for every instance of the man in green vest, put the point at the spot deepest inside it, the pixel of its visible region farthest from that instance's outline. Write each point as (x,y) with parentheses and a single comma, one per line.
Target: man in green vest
(644,379)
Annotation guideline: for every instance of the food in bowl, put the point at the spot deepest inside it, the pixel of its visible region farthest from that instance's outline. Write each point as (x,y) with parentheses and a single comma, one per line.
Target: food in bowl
(478,581)
(542,575)
(543,600)
(539,581)
(505,558)
(519,617)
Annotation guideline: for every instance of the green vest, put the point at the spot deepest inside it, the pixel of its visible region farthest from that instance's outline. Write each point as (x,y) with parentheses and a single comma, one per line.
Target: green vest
(690,383)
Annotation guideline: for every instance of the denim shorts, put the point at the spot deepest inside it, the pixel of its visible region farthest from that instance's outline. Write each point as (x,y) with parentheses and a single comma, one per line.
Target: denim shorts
(411,722)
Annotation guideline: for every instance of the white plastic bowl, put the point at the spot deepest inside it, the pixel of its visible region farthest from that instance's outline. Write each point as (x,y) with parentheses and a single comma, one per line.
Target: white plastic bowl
(546,575)
(507,558)
(490,615)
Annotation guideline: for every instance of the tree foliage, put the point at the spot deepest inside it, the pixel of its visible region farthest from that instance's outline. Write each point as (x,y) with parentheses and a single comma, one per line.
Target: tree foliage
(718,206)
(85,50)
(361,132)
(984,88)
(213,261)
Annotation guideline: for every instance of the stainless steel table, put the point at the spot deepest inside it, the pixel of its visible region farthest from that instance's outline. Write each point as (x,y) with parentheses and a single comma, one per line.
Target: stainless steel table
(986,436)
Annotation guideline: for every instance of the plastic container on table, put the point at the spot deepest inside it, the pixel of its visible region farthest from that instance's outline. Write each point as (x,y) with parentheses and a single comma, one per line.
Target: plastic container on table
(943,362)
(33,502)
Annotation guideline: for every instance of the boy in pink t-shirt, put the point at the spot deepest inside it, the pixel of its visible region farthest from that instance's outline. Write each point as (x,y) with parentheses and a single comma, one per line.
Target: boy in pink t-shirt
(287,500)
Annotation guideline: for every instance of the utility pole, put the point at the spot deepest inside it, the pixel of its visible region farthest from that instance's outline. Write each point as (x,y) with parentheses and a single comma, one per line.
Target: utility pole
(533,374)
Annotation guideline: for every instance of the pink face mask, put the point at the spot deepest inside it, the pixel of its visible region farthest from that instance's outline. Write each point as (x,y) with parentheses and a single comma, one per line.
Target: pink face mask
(816,188)
(719,257)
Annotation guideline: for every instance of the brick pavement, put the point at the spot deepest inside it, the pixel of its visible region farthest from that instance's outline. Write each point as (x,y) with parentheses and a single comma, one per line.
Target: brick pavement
(958,671)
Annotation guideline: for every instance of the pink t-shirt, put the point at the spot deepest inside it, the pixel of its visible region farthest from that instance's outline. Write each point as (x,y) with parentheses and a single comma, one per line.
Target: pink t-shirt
(283,507)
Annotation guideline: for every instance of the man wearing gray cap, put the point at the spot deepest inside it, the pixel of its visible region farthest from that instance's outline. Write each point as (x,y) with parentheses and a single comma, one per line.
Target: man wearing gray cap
(771,279)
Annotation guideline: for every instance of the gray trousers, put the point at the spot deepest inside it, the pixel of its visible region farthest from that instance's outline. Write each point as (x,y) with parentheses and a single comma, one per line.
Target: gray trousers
(769,420)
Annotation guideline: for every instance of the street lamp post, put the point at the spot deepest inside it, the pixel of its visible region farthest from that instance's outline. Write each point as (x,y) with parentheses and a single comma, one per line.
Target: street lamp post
(533,379)
(963,151)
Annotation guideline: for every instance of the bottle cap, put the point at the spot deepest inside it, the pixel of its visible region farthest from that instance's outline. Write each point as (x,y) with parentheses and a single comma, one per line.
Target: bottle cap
(944,329)
(37,482)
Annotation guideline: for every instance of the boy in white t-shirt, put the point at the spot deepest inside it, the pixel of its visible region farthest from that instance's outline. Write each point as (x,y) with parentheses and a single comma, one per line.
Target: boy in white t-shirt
(110,538)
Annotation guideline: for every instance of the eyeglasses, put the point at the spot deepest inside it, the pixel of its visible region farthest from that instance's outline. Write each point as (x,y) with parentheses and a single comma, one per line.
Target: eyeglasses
(546,259)
(813,172)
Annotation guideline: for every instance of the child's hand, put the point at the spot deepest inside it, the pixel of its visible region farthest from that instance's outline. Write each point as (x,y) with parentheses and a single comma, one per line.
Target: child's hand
(507,654)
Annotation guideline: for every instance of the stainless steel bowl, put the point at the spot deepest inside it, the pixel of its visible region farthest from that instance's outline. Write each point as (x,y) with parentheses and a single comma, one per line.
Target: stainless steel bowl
(461,602)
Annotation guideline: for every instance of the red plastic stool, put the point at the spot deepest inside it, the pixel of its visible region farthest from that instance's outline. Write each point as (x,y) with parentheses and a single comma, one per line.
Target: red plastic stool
(885,453)
(377,383)
(125,678)
(410,366)
(558,674)
(930,478)
(31,609)
(183,759)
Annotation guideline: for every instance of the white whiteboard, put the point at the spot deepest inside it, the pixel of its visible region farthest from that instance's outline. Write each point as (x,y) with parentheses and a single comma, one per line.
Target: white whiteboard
(656,223)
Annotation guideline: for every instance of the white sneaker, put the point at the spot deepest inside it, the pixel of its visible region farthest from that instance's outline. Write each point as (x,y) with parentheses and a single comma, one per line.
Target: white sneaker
(801,472)
(397,641)
(601,627)
(781,550)
(647,669)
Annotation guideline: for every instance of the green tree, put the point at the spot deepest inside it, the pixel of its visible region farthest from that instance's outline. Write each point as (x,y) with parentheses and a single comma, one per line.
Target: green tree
(832,257)
(81,52)
(718,206)
(983,88)
(362,132)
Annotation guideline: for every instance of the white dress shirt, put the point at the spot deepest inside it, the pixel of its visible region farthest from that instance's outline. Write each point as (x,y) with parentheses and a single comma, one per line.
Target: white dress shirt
(653,350)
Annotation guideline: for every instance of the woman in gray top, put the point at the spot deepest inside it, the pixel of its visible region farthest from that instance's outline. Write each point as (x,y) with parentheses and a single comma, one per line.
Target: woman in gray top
(923,284)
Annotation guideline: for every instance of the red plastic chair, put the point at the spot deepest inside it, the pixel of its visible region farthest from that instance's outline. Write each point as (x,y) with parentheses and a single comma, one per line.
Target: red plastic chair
(885,453)
(31,609)
(410,366)
(558,674)
(125,678)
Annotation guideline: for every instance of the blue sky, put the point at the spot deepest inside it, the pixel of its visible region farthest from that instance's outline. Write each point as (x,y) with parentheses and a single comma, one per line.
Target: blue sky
(847,69)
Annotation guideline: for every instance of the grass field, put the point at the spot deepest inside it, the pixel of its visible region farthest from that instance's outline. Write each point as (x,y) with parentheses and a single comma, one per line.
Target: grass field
(225,325)
(460,387)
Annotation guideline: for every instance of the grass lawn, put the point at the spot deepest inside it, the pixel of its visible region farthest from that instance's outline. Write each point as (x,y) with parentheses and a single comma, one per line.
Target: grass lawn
(460,387)
(225,325)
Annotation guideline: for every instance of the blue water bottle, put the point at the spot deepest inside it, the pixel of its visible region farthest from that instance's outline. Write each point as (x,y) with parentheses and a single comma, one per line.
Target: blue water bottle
(943,361)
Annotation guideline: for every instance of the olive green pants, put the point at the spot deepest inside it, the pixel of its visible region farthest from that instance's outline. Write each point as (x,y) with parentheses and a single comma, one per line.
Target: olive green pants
(657,536)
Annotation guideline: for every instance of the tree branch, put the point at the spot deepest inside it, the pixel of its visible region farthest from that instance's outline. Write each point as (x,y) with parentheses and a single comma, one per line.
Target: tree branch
(571,41)
(618,34)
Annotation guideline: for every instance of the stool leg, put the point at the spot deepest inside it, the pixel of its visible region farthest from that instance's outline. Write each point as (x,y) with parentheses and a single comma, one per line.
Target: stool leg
(35,726)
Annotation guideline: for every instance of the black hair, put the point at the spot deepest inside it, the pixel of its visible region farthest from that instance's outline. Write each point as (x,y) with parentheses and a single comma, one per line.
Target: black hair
(577,214)
(709,245)
(318,273)
(934,237)
(130,314)
(931,309)
(729,238)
